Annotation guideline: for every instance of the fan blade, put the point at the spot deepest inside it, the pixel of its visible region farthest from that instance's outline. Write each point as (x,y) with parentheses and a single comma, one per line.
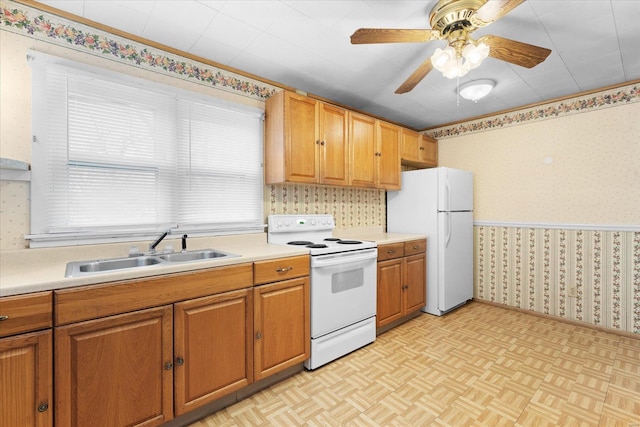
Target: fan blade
(496,9)
(523,54)
(383,35)
(416,77)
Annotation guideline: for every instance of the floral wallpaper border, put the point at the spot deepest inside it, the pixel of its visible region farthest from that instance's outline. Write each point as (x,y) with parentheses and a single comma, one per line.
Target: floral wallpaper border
(34,23)
(605,99)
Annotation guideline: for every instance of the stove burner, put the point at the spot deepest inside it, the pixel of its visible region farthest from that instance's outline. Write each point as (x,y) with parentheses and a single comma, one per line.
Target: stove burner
(300,242)
(332,239)
(316,246)
(349,242)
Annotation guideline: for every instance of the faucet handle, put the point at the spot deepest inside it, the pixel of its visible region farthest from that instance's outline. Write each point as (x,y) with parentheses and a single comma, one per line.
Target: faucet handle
(184,242)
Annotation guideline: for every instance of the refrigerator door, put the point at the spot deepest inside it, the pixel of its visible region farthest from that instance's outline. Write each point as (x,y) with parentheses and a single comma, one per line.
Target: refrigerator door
(455,190)
(455,261)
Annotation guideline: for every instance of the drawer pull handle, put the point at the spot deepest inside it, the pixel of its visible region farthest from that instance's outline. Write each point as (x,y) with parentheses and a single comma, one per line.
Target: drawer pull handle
(391,252)
(283,270)
(416,247)
(43,407)
(4,318)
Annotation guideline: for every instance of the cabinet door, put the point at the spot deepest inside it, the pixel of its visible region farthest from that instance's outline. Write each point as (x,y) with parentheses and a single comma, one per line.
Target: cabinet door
(363,151)
(334,150)
(213,340)
(115,371)
(301,138)
(429,151)
(26,380)
(410,145)
(389,302)
(281,326)
(415,285)
(388,172)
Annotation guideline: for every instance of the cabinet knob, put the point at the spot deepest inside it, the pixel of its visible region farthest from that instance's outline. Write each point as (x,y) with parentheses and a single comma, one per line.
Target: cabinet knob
(3,317)
(179,361)
(43,407)
(258,335)
(318,142)
(168,366)
(321,142)
(422,148)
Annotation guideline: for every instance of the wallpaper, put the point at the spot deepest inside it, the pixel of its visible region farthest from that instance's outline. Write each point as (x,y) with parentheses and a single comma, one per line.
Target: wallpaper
(537,268)
(577,169)
(351,207)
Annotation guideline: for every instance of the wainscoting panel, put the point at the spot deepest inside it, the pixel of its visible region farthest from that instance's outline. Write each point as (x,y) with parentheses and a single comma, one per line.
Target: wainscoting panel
(591,276)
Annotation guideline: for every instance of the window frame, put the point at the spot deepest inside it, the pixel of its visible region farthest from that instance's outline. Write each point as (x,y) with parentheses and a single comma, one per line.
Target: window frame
(41,235)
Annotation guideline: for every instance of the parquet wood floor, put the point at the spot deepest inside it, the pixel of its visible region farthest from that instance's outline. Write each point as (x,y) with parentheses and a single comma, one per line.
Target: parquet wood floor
(480,365)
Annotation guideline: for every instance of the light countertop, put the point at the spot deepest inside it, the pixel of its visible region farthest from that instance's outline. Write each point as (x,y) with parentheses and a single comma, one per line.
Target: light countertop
(33,270)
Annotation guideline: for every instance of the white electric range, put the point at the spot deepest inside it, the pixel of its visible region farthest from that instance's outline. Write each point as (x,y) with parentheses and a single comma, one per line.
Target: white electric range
(342,281)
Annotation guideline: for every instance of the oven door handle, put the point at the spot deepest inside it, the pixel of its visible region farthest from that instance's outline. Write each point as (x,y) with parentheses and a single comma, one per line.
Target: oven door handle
(319,262)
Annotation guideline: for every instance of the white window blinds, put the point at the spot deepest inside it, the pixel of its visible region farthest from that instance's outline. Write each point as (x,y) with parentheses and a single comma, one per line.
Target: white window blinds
(123,155)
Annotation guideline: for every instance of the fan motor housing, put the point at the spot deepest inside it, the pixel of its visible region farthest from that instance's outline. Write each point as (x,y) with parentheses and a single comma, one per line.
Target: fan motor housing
(453,15)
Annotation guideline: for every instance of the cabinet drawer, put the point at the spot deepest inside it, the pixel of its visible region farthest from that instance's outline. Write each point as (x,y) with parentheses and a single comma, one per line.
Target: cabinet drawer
(24,313)
(92,302)
(390,251)
(414,247)
(280,269)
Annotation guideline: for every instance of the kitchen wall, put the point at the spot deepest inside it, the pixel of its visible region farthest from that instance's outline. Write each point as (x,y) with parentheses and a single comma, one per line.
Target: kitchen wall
(557,187)
(23,28)
(557,206)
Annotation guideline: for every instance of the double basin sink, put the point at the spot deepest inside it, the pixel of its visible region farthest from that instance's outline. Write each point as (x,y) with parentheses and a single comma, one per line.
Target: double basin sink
(80,268)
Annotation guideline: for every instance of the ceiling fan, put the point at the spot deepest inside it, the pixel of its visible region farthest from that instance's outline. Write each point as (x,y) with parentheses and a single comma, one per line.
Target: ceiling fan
(454,21)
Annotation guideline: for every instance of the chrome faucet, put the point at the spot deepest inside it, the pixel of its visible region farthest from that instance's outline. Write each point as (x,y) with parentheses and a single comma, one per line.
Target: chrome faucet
(152,246)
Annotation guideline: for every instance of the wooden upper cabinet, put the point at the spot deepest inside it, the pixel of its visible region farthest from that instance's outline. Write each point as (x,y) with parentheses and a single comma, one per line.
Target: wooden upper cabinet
(313,142)
(334,146)
(306,141)
(362,137)
(410,144)
(418,150)
(388,170)
(429,151)
(291,139)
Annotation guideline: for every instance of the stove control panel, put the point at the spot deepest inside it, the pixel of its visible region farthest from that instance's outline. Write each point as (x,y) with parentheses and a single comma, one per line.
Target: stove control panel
(300,223)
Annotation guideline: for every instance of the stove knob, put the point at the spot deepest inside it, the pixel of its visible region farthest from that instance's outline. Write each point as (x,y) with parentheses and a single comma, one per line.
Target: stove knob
(279,223)
(313,222)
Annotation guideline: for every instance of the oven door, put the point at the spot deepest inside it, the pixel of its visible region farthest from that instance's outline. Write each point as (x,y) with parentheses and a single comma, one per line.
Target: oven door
(343,290)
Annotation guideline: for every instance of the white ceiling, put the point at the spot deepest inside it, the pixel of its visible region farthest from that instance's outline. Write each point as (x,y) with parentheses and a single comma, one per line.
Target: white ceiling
(305,44)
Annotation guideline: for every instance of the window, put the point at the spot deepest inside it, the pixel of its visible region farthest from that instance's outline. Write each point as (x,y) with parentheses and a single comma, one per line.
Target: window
(121,158)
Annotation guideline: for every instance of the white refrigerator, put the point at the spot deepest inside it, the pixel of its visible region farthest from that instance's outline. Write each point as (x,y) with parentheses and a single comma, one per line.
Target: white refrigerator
(438,202)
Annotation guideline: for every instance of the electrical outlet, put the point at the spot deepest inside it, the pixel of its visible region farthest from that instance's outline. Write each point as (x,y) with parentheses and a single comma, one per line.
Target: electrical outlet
(572,291)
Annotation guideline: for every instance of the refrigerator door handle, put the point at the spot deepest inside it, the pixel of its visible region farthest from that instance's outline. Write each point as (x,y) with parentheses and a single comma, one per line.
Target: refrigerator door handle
(449,227)
(448,196)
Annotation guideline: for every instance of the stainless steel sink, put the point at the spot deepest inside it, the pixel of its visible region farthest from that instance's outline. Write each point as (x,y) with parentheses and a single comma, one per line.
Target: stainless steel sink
(200,255)
(80,268)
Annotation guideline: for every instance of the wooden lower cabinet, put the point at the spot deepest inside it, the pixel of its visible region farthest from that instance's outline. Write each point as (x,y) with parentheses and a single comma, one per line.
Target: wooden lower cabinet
(281,326)
(26,380)
(402,269)
(115,371)
(213,348)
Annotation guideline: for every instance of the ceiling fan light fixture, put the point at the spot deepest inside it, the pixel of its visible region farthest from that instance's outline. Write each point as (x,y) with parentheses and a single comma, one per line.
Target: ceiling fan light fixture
(476,89)
(475,54)
(442,57)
